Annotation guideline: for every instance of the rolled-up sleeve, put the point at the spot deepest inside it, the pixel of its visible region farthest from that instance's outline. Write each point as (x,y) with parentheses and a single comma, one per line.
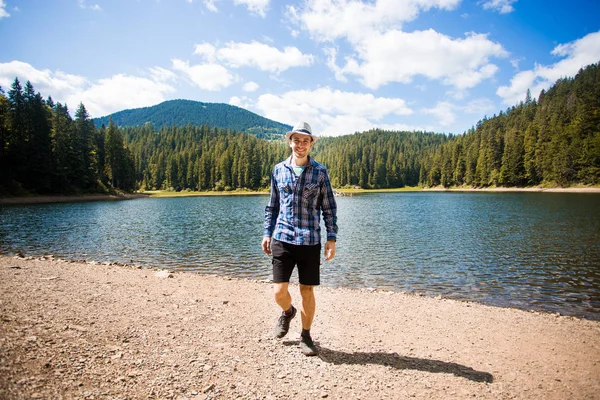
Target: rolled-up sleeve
(272,209)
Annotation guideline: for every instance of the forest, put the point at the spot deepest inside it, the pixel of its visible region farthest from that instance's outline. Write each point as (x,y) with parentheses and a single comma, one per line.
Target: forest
(553,140)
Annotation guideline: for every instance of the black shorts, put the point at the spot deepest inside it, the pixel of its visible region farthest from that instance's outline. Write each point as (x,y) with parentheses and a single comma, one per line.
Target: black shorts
(286,256)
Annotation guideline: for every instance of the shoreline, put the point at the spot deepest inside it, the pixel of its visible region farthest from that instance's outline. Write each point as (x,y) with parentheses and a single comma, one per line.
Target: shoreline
(516,190)
(48,199)
(369,289)
(87,330)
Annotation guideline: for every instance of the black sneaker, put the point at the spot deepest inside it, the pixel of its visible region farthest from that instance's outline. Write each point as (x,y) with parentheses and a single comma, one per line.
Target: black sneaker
(283,324)
(307,347)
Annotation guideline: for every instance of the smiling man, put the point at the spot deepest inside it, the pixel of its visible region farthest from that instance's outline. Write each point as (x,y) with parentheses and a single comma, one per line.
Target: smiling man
(300,192)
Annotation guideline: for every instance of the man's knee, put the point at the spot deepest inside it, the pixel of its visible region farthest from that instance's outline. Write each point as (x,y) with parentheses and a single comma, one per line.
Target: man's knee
(306,290)
(280,290)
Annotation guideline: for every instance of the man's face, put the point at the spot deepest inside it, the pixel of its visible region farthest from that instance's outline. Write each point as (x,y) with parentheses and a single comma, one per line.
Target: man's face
(301,145)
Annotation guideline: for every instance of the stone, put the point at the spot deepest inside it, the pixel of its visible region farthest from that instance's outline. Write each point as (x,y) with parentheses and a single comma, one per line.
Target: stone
(163,274)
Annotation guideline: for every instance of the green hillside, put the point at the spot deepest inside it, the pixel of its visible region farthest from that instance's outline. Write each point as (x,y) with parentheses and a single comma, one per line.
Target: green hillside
(188,112)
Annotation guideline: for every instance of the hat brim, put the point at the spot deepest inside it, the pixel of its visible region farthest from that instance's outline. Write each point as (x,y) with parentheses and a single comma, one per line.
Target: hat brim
(290,133)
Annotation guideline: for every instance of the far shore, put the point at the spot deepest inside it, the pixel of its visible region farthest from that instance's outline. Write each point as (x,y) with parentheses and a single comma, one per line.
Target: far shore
(583,189)
(42,199)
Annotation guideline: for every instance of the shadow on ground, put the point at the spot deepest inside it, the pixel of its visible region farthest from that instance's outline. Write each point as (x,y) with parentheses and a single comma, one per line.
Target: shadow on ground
(397,361)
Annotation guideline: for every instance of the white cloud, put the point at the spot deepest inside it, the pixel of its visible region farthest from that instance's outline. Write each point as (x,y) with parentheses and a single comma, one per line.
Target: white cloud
(120,92)
(397,56)
(443,112)
(382,53)
(57,84)
(242,102)
(259,55)
(3,12)
(577,54)
(502,6)
(259,7)
(250,87)
(206,76)
(480,107)
(206,50)
(210,5)
(162,75)
(103,97)
(327,20)
(332,112)
(331,53)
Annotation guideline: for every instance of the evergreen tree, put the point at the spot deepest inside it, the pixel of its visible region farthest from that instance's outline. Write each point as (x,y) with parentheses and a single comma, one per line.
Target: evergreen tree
(85,149)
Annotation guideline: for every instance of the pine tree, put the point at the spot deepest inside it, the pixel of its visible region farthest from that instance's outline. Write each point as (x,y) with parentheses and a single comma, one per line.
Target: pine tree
(86,152)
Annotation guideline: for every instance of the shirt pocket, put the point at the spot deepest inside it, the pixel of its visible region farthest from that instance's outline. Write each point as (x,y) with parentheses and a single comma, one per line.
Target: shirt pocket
(310,192)
(285,191)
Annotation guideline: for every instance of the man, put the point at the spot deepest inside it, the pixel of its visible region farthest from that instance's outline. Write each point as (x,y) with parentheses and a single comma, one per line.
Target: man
(300,192)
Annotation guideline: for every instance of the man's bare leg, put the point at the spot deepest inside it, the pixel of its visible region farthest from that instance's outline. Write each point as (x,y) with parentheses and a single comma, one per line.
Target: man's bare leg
(284,299)
(282,295)
(308,306)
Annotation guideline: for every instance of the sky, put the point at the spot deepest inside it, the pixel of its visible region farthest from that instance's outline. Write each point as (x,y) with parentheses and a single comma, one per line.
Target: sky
(344,66)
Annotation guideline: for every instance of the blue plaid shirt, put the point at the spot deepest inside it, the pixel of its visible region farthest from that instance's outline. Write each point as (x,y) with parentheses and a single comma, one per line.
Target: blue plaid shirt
(293,213)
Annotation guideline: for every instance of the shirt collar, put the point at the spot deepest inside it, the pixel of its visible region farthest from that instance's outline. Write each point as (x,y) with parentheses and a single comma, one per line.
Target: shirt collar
(288,162)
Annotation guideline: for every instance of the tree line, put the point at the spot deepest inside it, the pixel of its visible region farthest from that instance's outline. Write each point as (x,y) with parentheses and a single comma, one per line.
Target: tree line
(201,158)
(44,150)
(552,140)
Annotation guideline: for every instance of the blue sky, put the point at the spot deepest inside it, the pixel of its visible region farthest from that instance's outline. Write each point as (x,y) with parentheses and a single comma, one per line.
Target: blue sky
(344,66)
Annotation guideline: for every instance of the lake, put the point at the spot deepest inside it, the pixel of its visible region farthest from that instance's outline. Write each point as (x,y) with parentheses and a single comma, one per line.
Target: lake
(536,251)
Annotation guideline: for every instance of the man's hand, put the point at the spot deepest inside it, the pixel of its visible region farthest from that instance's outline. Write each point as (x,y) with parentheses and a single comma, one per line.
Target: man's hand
(266,245)
(329,250)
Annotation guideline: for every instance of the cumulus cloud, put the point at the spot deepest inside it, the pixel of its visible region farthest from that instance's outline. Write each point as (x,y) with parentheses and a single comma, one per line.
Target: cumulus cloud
(58,84)
(250,87)
(576,54)
(443,112)
(206,76)
(502,6)
(446,113)
(328,20)
(397,56)
(243,102)
(162,75)
(259,7)
(331,53)
(255,54)
(3,12)
(207,51)
(382,53)
(332,112)
(120,92)
(102,97)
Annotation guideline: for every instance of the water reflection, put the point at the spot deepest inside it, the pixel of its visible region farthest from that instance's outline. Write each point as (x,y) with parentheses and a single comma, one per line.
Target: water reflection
(527,250)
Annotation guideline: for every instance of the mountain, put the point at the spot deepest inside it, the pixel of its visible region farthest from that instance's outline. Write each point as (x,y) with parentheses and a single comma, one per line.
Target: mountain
(186,112)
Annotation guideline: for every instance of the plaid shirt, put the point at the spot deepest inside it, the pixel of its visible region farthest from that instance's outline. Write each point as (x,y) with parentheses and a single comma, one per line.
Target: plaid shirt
(293,213)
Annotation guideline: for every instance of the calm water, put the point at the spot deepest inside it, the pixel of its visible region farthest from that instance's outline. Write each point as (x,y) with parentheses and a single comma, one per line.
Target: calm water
(528,250)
